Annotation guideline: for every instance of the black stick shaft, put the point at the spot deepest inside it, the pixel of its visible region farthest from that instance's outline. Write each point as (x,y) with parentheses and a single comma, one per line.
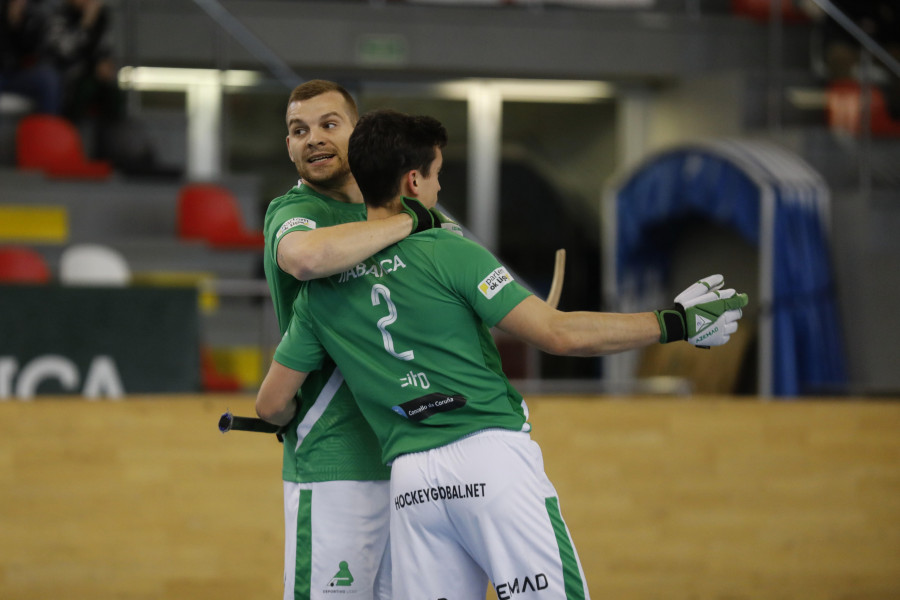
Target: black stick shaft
(228,421)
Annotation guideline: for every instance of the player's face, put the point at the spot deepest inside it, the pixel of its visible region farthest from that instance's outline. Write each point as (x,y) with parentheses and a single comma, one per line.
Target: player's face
(318,134)
(428,187)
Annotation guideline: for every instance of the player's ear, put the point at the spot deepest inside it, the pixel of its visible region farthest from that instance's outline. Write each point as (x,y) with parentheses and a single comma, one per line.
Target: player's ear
(287,141)
(410,183)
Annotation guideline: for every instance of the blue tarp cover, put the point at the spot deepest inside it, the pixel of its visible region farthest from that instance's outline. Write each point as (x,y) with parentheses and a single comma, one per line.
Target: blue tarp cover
(726,184)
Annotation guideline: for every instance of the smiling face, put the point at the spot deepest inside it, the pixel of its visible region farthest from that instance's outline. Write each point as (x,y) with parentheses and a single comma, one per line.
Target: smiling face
(318,131)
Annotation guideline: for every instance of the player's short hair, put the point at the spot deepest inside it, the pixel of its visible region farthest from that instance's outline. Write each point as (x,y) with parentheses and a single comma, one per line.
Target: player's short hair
(385,145)
(317,87)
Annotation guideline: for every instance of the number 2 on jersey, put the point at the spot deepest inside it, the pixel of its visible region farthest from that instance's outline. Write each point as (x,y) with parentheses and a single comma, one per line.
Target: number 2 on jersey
(381,291)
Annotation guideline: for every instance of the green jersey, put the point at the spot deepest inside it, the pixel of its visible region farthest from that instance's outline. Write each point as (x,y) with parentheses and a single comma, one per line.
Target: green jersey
(328,439)
(410,328)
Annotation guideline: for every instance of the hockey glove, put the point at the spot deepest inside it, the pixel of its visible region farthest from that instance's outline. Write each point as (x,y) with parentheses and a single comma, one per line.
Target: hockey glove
(423,218)
(444,222)
(703,314)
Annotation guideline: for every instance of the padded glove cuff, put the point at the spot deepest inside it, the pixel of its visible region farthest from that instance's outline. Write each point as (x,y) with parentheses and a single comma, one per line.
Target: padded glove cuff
(422,218)
(672,326)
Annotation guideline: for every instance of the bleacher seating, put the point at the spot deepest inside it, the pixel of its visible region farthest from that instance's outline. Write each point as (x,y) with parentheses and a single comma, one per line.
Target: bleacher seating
(21,264)
(57,219)
(93,264)
(211,213)
(34,224)
(761,10)
(844,107)
(53,145)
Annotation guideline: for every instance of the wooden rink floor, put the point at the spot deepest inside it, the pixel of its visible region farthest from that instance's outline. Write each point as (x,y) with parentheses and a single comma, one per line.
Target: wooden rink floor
(706,498)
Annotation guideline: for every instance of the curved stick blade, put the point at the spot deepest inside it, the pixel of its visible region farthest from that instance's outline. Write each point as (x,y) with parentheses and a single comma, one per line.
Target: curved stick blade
(559,272)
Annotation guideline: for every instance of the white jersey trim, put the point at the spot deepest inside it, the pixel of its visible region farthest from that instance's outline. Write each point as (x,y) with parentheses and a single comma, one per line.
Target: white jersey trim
(318,408)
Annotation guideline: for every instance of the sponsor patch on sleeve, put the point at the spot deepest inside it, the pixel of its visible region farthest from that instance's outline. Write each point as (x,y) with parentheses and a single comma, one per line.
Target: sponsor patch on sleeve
(494,282)
(291,223)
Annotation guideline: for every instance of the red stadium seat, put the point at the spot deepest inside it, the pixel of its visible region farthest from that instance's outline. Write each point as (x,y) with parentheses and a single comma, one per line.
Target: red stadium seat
(210,213)
(761,10)
(53,145)
(844,109)
(19,264)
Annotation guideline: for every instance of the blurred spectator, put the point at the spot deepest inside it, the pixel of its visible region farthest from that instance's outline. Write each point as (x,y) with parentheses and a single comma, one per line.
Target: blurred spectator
(25,67)
(81,40)
(880,20)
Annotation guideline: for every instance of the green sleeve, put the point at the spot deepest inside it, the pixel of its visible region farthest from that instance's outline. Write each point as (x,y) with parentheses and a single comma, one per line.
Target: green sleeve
(299,348)
(478,277)
(302,215)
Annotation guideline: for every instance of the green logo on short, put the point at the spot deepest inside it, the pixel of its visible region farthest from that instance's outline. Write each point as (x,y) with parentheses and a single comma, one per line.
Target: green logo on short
(343,578)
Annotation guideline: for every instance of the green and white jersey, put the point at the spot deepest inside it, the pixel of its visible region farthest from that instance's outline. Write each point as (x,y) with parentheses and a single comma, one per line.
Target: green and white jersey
(328,440)
(410,328)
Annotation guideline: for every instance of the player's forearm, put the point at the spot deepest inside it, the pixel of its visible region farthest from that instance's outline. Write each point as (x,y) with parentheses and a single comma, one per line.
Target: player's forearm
(596,333)
(579,333)
(277,410)
(329,250)
(276,399)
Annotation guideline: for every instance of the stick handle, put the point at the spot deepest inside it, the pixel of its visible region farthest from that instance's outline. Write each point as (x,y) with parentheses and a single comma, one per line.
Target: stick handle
(228,421)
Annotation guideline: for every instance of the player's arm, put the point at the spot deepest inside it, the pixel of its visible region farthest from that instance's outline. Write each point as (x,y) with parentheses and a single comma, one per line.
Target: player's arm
(328,250)
(321,252)
(579,333)
(704,315)
(275,401)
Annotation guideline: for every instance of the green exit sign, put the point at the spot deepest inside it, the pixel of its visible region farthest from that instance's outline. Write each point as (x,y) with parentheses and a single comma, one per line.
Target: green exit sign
(386,50)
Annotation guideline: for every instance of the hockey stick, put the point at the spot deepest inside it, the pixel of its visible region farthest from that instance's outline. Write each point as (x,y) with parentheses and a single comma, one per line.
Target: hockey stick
(559,272)
(228,421)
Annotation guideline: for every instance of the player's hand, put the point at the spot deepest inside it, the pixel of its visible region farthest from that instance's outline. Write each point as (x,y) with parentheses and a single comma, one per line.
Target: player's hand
(704,314)
(444,222)
(423,218)
(704,286)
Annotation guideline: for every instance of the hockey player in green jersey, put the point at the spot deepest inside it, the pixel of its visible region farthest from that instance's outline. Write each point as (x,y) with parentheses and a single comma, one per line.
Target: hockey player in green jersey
(409,328)
(335,485)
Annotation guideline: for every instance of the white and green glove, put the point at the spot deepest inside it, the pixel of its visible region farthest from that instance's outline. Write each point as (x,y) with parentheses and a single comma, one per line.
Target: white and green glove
(704,314)
(446,222)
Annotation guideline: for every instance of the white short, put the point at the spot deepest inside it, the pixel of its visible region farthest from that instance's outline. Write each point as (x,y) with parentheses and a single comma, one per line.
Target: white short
(336,540)
(480,509)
